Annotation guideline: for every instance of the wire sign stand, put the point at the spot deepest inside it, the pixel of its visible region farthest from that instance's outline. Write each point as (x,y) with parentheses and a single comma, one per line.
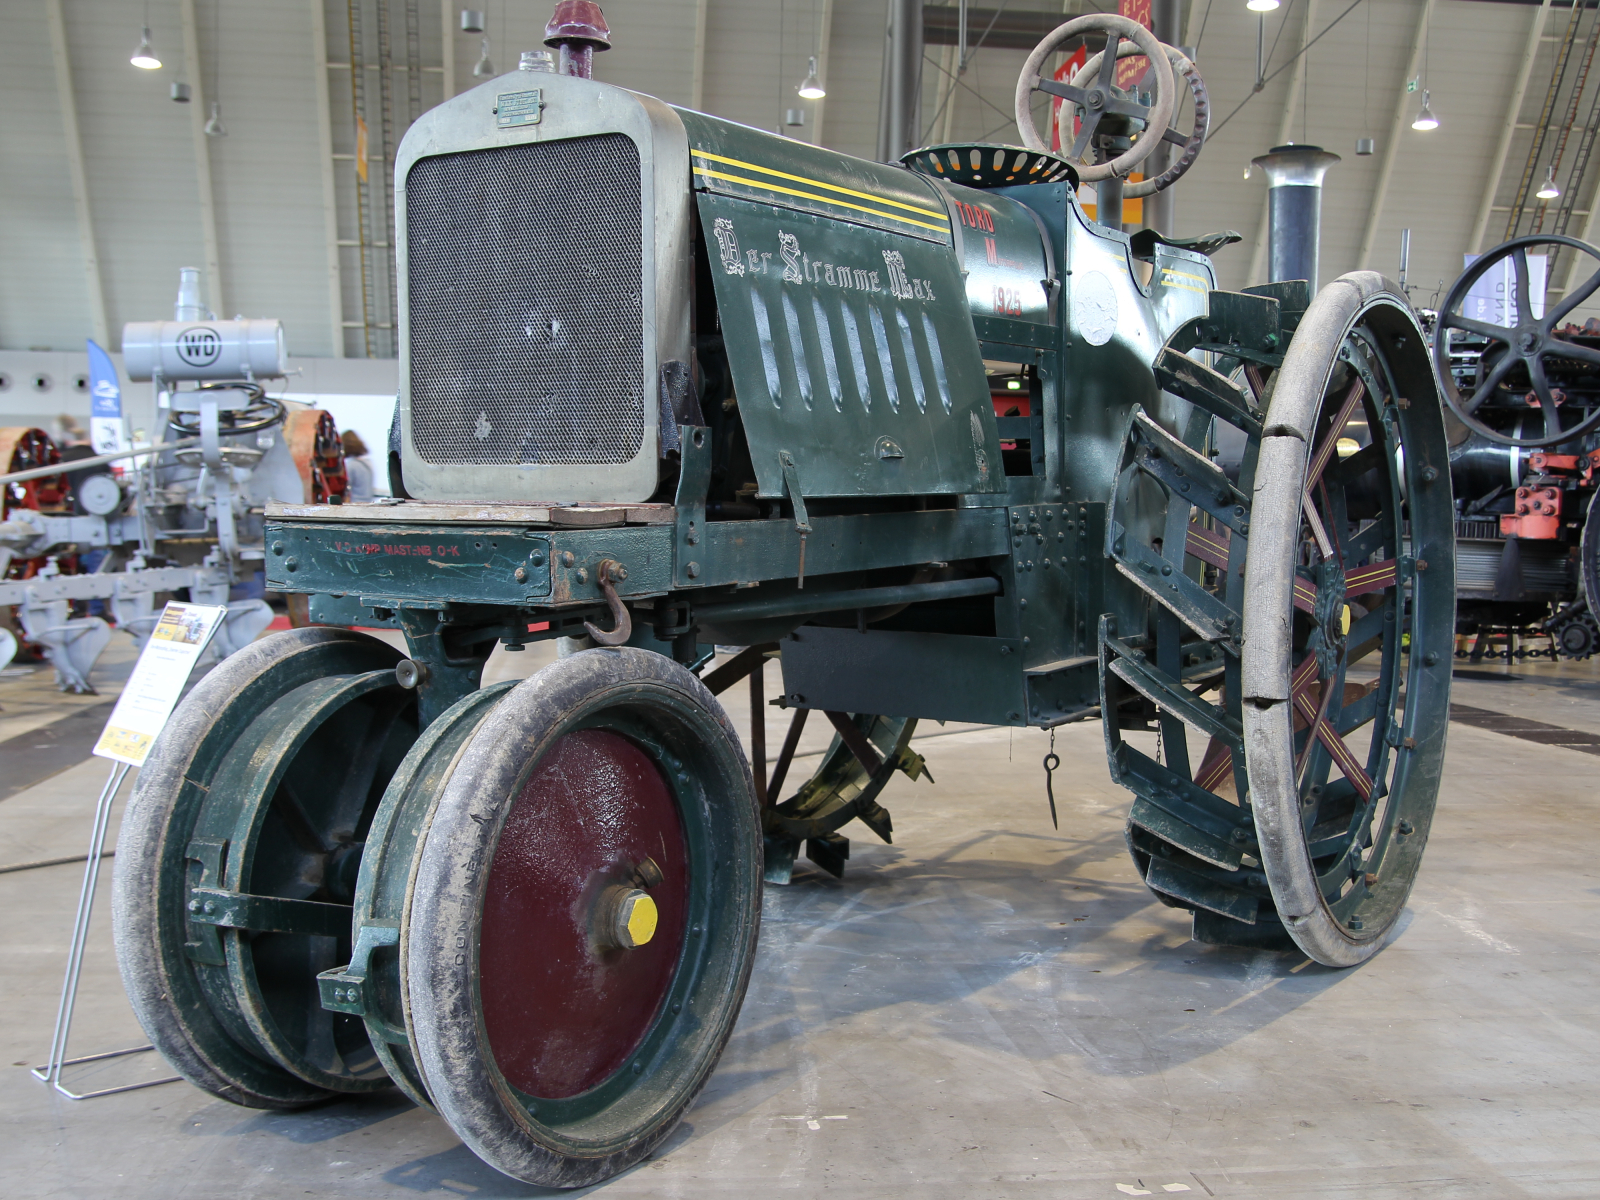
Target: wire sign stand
(146,702)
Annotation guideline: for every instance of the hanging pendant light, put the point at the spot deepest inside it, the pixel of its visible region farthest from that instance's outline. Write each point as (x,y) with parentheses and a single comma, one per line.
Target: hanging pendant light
(144,57)
(1548,189)
(214,126)
(1262,6)
(811,87)
(485,67)
(1425,119)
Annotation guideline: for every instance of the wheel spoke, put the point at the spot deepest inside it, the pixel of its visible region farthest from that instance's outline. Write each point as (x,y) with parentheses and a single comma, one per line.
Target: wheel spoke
(1496,333)
(1085,135)
(1315,714)
(1547,400)
(1519,258)
(1065,91)
(1208,545)
(1374,577)
(1128,108)
(1575,353)
(1330,441)
(1257,380)
(1570,302)
(1491,383)
(1176,138)
(1314,518)
(1305,593)
(1216,767)
(1108,61)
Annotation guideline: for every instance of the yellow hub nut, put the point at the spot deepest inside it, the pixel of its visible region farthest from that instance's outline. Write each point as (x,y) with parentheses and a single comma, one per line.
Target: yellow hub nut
(637,917)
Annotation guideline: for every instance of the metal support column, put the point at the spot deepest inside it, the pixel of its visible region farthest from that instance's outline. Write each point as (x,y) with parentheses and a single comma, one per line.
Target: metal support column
(202,158)
(68,100)
(899,119)
(330,195)
(1160,212)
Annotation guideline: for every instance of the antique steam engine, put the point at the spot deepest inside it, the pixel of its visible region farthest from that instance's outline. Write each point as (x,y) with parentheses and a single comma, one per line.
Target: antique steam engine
(669,382)
(1523,387)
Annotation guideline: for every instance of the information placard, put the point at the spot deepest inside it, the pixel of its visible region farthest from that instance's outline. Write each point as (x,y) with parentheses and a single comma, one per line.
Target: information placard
(157,681)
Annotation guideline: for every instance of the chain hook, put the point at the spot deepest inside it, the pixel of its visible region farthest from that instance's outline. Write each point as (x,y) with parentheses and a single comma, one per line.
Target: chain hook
(1052,762)
(621,621)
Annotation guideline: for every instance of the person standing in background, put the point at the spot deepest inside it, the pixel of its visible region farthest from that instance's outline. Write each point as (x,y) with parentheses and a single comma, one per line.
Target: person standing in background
(357,467)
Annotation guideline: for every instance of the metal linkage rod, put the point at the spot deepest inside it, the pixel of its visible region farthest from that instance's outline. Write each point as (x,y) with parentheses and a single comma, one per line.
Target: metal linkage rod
(879,597)
(79,464)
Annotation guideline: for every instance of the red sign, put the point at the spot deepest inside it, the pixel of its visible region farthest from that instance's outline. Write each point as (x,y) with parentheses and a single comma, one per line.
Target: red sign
(1131,70)
(1064,74)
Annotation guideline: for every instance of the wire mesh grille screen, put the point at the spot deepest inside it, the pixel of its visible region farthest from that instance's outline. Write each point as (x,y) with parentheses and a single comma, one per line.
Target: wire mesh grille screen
(524,266)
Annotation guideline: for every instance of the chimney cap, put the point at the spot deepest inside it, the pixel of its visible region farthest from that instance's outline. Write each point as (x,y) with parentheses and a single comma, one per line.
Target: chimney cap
(578,23)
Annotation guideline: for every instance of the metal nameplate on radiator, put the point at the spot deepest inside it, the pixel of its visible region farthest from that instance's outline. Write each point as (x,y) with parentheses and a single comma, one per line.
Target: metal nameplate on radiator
(471,565)
(518,108)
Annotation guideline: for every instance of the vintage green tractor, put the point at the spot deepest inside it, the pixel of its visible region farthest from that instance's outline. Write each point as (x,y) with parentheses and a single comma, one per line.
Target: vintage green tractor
(668,382)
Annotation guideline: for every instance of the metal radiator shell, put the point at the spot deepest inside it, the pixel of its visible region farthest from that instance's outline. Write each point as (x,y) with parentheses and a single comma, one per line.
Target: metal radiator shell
(568,108)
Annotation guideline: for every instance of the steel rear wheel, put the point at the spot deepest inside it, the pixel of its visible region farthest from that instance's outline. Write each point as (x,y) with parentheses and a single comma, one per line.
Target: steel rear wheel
(584,915)
(1313,597)
(1349,621)
(237,859)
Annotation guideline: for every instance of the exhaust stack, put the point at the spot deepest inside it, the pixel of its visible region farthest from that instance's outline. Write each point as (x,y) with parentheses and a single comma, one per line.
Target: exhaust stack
(1294,198)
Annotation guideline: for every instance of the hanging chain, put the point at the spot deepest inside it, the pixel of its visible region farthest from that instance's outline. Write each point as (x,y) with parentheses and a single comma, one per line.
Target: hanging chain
(1052,761)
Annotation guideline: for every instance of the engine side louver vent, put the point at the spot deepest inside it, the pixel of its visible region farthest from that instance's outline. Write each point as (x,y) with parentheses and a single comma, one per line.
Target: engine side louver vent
(526,318)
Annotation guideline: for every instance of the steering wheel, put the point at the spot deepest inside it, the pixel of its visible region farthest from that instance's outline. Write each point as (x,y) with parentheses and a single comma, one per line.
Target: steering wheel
(1192,144)
(1528,343)
(1098,101)
(260,412)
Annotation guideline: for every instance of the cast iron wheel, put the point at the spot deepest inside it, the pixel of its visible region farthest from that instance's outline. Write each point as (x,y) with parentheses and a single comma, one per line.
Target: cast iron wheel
(1527,345)
(584,916)
(1308,811)
(262,785)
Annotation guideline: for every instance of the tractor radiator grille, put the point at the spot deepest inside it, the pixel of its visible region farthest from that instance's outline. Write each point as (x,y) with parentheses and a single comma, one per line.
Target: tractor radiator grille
(526,321)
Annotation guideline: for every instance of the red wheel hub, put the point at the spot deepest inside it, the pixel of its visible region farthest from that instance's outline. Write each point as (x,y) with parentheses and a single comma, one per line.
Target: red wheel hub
(563,1010)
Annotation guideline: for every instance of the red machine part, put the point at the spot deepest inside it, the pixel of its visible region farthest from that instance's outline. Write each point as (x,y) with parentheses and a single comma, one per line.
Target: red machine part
(1538,514)
(1582,465)
(314,443)
(22,449)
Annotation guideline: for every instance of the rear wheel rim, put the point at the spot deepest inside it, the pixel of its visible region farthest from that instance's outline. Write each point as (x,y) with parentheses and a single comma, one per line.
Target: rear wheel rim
(1343,785)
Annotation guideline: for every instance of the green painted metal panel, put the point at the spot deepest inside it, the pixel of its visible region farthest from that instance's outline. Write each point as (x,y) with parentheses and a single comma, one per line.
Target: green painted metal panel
(848,353)
(462,565)
(736,160)
(744,551)
(939,676)
(1009,268)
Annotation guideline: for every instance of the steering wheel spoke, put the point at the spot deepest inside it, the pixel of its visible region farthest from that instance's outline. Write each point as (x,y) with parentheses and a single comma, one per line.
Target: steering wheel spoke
(1063,91)
(1157,115)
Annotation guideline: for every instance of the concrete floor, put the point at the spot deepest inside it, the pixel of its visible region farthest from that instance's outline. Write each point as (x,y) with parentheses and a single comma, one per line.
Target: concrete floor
(987,1008)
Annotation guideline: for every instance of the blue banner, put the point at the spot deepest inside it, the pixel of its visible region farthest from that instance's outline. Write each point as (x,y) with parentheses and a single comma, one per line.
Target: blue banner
(105,400)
